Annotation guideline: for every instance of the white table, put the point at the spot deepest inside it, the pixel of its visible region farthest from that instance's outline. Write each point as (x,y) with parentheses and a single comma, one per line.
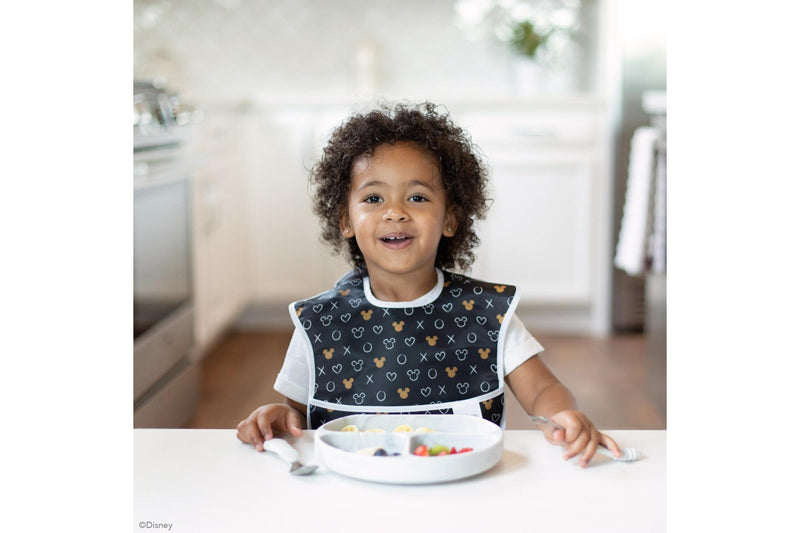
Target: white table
(206,480)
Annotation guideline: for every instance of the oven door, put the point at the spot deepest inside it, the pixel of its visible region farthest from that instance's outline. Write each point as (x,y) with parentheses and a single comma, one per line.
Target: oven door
(162,286)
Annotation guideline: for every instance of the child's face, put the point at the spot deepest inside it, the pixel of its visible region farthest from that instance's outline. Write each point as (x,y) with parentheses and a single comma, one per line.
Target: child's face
(397,210)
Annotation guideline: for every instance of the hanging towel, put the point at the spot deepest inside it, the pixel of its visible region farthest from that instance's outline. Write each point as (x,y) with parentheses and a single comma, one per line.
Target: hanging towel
(658,239)
(637,219)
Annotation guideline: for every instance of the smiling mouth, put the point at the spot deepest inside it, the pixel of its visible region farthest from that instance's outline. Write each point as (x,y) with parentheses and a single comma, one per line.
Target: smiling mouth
(396,238)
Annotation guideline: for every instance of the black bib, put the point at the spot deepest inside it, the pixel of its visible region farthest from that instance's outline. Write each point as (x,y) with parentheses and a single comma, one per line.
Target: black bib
(442,357)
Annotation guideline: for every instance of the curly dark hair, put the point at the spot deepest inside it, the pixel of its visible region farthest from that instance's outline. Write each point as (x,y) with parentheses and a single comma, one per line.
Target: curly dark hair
(464,175)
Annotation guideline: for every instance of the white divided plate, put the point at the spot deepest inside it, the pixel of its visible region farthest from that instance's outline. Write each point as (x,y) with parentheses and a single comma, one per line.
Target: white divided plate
(336,449)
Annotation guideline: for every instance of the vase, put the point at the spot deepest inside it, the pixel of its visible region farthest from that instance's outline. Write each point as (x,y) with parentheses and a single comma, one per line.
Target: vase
(528,78)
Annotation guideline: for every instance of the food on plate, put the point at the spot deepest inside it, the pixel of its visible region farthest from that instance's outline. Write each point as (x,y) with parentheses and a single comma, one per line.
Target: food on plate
(438,449)
(421,450)
(402,428)
(367,451)
(376,451)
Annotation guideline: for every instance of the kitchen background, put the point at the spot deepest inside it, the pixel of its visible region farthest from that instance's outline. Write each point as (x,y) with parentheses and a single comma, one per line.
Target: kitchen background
(235,99)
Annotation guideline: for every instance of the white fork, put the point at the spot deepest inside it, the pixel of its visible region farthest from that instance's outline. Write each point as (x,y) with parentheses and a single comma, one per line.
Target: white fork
(628,454)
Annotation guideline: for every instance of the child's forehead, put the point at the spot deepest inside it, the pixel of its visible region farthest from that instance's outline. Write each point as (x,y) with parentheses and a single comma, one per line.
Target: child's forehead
(409,149)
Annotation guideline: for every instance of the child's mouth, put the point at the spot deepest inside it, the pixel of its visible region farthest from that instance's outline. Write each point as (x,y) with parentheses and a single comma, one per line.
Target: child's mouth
(396,238)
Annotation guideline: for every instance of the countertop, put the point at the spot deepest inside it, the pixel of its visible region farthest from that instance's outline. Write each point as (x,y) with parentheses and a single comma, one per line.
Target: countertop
(197,480)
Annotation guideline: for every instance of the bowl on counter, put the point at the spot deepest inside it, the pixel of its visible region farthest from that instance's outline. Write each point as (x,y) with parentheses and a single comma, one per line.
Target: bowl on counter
(344,445)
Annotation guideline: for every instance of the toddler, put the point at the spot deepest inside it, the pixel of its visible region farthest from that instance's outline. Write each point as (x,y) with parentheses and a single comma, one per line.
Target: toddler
(398,190)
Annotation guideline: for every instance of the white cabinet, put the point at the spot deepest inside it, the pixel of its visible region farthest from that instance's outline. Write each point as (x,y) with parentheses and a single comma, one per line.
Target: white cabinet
(547,227)
(288,259)
(220,261)
(537,234)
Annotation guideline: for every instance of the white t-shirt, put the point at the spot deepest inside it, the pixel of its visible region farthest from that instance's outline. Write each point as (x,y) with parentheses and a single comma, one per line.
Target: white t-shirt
(293,379)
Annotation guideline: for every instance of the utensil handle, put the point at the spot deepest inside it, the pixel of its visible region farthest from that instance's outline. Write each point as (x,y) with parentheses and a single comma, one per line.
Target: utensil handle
(602,450)
(628,454)
(282,449)
(543,420)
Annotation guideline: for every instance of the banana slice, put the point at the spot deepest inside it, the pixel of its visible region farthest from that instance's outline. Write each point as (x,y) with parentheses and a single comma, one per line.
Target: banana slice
(368,451)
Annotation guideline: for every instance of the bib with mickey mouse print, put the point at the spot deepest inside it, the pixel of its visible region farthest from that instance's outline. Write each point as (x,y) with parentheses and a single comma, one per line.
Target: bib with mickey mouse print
(442,356)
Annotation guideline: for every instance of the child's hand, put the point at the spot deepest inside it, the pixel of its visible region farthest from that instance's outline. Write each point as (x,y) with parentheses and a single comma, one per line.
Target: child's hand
(578,436)
(267,420)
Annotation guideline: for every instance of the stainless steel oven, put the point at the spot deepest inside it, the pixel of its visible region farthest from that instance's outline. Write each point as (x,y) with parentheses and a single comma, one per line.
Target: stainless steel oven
(165,375)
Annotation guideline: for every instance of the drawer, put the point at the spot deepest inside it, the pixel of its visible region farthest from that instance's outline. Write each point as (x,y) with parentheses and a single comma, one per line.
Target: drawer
(532,130)
(173,404)
(161,348)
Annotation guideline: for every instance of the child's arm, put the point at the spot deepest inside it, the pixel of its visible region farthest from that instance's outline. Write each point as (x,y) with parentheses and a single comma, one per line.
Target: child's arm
(540,393)
(271,419)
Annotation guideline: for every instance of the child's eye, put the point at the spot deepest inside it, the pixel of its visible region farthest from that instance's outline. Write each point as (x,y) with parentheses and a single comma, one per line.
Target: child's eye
(372,199)
(417,198)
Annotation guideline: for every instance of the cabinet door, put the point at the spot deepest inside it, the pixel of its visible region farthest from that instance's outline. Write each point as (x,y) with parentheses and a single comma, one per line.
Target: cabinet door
(537,233)
(290,262)
(219,235)
(543,165)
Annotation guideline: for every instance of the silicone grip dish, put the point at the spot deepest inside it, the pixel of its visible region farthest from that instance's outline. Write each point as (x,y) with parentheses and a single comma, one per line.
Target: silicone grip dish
(335,449)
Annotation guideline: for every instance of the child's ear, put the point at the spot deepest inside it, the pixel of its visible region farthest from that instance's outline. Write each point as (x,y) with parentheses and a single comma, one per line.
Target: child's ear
(450,223)
(344,226)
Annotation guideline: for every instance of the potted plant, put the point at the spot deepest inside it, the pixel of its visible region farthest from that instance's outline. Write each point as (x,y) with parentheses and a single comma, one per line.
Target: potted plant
(526,40)
(527,43)
(540,36)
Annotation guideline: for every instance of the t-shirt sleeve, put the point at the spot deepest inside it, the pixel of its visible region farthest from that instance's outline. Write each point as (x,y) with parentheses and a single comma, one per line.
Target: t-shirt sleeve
(292,380)
(519,346)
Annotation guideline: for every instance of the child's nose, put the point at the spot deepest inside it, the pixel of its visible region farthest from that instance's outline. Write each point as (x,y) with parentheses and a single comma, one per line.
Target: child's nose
(394,213)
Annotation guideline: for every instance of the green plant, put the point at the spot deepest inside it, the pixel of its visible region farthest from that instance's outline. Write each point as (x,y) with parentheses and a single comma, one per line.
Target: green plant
(526,39)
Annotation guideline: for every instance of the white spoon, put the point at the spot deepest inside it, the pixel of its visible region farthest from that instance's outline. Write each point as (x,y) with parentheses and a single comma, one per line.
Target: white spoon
(628,454)
(285,451)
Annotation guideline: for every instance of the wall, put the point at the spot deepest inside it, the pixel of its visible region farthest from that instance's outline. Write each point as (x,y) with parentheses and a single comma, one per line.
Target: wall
(238,51)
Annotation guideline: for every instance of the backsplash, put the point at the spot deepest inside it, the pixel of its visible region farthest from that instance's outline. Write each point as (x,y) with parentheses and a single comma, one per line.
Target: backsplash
(238,51)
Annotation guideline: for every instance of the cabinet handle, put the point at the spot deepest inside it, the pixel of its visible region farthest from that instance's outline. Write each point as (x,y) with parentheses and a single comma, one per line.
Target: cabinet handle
(536,134)
(212,198)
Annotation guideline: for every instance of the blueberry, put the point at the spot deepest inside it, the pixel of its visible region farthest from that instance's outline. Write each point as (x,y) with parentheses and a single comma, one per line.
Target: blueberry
(380,452)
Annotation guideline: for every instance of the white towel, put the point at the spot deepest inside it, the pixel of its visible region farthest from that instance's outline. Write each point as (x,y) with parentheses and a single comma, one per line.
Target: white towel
(637,219)
(658,239)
